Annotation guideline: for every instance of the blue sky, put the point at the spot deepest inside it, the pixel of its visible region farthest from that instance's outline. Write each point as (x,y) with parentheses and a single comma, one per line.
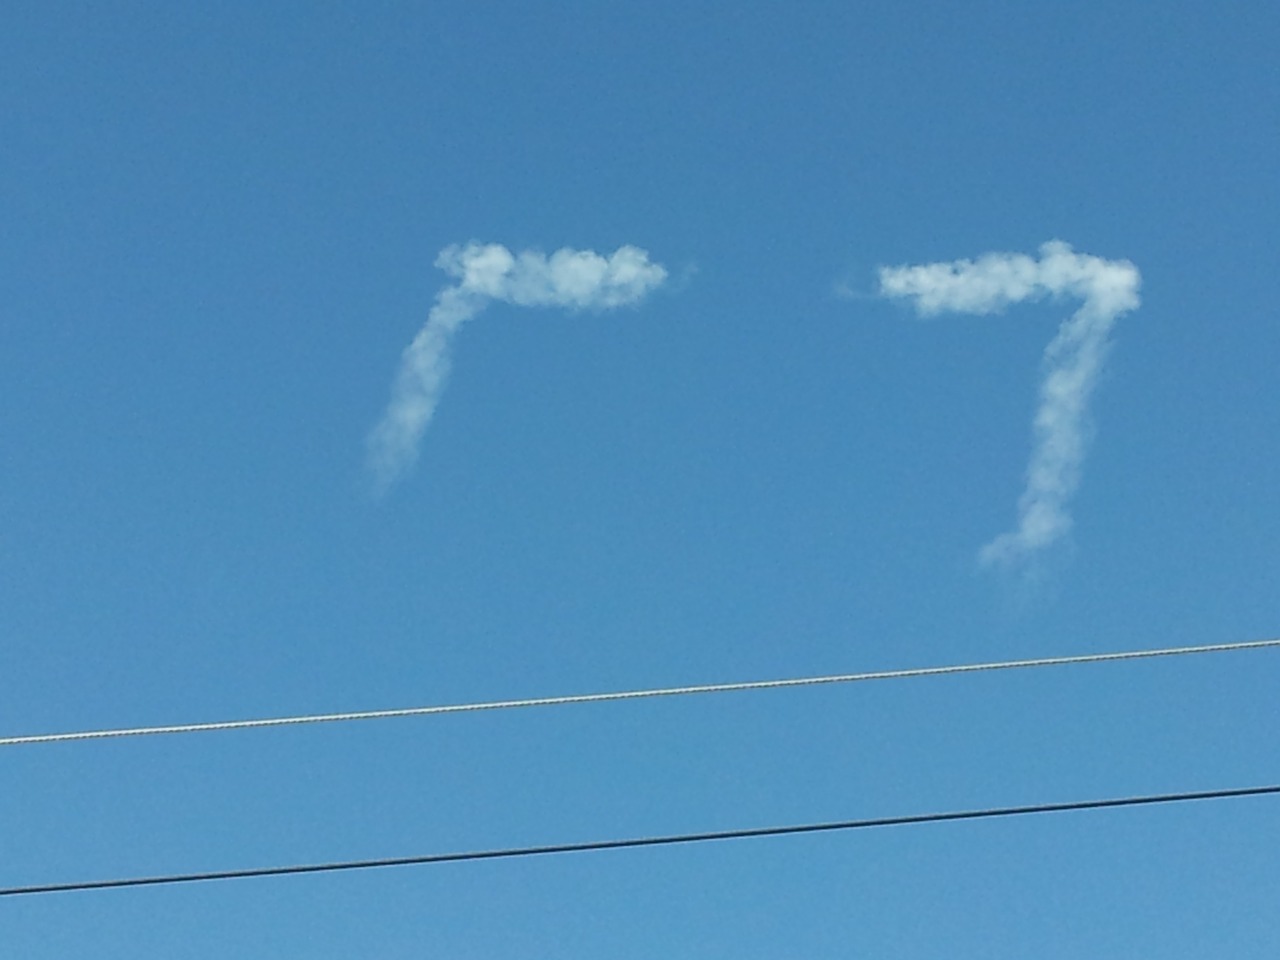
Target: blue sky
(221,231)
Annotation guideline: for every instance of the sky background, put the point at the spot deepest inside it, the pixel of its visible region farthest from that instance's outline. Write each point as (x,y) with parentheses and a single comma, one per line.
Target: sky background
(219,229)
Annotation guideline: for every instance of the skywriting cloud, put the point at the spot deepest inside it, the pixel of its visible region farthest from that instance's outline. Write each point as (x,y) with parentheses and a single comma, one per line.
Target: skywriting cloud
(1072,361)
(483,273)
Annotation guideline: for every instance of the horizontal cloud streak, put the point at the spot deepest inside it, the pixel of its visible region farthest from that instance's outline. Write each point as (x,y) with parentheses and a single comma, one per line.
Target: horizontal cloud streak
(573,279)
(1072,361)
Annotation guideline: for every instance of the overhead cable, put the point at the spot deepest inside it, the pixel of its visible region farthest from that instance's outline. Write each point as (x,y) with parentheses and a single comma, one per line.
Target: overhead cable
(633,694)
(511,853)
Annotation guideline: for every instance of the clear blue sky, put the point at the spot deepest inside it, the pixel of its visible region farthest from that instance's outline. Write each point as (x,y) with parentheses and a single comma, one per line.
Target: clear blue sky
(218,231)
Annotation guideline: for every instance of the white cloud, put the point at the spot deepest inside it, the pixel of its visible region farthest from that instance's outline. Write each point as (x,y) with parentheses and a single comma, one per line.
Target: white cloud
(574,279)
(1072,361)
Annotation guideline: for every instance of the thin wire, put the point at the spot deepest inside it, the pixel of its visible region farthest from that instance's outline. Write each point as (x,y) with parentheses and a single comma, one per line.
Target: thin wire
(660,841)
(633,694)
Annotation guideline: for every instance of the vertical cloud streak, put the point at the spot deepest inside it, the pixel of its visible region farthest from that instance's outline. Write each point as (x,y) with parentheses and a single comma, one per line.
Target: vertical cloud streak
(1072,361)
(483,273)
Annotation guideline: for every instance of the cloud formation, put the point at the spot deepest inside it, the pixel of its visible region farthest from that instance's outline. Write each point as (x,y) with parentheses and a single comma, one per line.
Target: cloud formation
(483,273)
(1072,361)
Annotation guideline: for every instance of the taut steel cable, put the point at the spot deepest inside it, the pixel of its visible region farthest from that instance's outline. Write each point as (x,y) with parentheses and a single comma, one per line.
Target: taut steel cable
(634,694)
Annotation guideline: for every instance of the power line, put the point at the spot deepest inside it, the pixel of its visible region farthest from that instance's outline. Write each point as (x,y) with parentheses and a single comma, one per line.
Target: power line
(633,694)
(511,853)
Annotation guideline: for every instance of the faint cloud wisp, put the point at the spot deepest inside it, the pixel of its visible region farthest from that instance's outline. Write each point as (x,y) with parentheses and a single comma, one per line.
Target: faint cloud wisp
(1072,361)
(574,279)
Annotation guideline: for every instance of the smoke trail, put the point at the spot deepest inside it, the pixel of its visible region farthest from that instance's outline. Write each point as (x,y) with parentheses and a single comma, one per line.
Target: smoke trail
(575,279)
(1072,361)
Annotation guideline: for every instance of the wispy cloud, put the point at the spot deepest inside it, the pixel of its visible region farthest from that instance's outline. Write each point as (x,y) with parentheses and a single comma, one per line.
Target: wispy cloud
(1108,288)
(482,273)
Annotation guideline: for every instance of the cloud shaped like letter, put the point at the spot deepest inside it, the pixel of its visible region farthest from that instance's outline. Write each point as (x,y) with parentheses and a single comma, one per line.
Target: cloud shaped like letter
(1072,361)
(574,279)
